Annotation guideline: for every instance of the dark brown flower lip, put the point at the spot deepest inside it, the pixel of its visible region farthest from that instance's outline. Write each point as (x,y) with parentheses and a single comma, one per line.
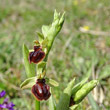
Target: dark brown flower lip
(40,90)
(37,55)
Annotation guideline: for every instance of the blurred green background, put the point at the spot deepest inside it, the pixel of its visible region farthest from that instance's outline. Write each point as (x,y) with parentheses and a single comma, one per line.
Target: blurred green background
(81,49)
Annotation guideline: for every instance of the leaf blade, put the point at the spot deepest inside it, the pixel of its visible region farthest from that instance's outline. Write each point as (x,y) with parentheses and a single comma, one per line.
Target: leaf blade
(92,102)
(52,104)
(65,97)
(30,68)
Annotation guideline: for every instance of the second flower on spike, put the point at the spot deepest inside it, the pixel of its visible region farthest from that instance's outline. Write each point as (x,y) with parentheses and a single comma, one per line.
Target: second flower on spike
(37,55)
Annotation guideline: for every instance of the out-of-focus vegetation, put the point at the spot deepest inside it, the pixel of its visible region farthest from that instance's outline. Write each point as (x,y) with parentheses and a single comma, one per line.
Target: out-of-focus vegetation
(81,49)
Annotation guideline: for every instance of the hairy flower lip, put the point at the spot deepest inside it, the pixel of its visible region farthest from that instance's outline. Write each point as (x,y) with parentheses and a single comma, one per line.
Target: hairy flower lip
(40,90)
(37,55)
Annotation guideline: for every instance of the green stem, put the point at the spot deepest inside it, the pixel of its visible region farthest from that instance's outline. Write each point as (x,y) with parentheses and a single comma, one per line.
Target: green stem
(37,105)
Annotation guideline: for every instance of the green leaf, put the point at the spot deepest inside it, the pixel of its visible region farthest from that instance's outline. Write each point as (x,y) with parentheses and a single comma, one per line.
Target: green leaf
(30,68)
(65,97)
(83,92)
(28,83)
(105,72)
(51,82)
(78,86)
(92,102)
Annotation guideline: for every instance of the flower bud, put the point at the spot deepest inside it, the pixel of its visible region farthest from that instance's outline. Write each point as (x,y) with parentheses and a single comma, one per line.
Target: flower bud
(40,90)
(37,55)
(83,92)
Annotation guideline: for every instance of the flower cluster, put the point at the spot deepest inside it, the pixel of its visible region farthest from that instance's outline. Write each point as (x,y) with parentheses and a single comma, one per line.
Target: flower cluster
(37,58)
(6,104)
(40,90)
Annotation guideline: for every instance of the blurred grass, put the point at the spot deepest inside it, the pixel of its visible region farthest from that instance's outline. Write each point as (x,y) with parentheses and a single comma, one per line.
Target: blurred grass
(74,53)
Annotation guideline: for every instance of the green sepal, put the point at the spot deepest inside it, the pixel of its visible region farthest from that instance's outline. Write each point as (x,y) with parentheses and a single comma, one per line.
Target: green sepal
(30,68)
(74,107)
(51,82)
(45,43)
(28,83)
(78,86)
(65,97)
(83,92)
(61,21)
(56,15)
(40,36)
(31,50)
